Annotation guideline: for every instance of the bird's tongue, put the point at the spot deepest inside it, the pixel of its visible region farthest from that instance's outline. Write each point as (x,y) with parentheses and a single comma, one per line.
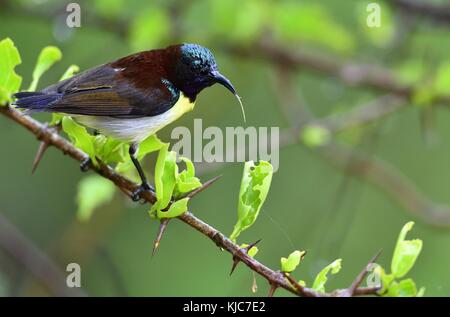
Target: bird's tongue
(222,80)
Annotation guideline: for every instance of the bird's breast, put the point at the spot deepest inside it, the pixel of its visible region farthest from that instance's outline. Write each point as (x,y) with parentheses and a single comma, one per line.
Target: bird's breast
(135,130)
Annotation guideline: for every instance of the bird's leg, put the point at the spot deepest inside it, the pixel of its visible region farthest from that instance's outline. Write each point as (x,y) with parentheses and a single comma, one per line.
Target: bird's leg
(136,195)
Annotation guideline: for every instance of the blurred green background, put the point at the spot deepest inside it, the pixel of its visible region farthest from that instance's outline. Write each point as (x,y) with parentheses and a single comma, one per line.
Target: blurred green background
(312,205)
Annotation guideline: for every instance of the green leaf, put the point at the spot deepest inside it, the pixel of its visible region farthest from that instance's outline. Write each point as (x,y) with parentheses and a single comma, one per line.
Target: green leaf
(175,209)
(442,80)
(386,279)
(186,180)
(9,80)
(322,278)
(290,264)
(79,137)
(407,288)
(72,70)
(255,185)
(421,292)
(48,56)
(314,135)
(405,253)
(93,191)
(109,150)
(166,172)
(253,250)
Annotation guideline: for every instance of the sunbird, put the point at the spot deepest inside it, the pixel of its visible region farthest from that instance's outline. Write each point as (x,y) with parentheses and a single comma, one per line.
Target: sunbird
(133,97)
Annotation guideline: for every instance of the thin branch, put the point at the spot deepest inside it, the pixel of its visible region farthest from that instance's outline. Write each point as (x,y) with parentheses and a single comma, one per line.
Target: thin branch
(368,168)
(354,74)
(436,13)
(52,138)
(34,260)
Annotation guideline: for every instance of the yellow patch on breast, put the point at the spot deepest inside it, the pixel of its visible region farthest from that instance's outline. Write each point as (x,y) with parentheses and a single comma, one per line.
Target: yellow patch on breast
(182,106)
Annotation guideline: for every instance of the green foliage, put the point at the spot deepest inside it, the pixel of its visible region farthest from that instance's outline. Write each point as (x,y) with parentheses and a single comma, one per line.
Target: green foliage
(48,56)
(100,147)
(403,259)
(322,278)
(170,184)
(79,136)
(72,70)
(255,185)
(109,8)
(406,252)
(311,23)
(290,264)
(93,191)
(252,251)
(150,28)
(441,83)
(149,145)
(186,179)
(314,135)
(9,80)
(378,36)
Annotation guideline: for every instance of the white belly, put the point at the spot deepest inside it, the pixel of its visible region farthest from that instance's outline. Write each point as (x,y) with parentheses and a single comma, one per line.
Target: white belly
(136,130)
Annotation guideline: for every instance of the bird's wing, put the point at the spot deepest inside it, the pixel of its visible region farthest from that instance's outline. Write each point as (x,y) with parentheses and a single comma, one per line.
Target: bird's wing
(107,91)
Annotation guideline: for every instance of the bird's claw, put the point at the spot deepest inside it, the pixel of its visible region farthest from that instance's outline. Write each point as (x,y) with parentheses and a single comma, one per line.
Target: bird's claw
(85,164)
(136,195)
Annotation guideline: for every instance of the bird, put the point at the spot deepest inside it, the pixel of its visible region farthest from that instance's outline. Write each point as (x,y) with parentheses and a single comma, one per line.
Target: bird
(132,97)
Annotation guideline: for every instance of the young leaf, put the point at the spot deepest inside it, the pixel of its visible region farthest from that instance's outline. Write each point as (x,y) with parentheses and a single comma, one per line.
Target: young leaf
(176,209)
(386,279)
(166,172)
(186,180)
(290,264)
(253,250)
(405,253)
(9,80)
(48,56)
(255,185)
(79,137)
(314,135)
(110,150)
(322,278)
(407,288)
(93,191)
(442,80)
(72,70)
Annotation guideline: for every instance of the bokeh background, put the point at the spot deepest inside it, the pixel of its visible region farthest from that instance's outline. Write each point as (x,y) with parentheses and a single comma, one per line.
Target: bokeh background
(344,193)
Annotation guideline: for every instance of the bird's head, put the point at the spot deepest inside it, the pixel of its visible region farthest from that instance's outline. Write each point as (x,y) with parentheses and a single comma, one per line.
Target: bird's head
(197,69)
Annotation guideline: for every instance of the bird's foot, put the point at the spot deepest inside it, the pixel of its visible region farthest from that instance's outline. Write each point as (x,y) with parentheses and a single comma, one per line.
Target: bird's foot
(136,195)
(85,164)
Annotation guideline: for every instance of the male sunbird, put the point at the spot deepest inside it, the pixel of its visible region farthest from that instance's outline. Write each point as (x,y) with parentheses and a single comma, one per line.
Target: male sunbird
(133,97)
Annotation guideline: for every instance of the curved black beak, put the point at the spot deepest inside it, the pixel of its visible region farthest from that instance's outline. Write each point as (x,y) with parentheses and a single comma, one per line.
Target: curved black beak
(222,80)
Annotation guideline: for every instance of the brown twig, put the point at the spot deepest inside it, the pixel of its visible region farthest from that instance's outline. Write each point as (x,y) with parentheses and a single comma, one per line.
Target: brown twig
(52,138)
(436,13)
(34,260)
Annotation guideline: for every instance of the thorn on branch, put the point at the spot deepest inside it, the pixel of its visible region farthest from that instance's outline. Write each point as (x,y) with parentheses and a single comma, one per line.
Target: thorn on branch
(237,259)
(43,146)
(162,229)
(353,289)
(273,288)
(202,188)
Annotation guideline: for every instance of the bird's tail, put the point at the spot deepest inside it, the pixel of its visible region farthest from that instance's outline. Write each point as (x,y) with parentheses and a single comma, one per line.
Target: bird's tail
(35,101)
